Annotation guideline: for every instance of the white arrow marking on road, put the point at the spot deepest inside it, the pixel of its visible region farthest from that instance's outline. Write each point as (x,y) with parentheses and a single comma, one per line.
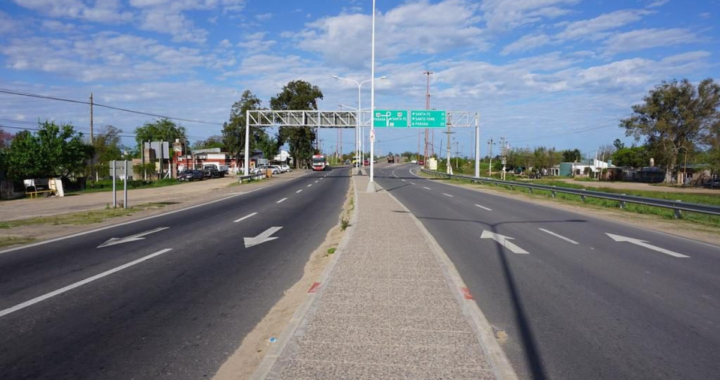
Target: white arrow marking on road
(643,243)
(558,236)
(136,237)
(245,217)
(483,207)
(262,238)
(504,241)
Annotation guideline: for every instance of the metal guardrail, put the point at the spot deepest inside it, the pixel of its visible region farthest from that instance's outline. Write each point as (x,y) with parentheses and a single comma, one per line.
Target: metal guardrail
(622,199)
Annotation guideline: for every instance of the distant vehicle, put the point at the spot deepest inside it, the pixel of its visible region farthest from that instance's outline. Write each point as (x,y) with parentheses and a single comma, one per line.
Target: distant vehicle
(413,162)
(319,162)
(421,162)
(263,168)
(277,169)
(391,159)
(285,168)
(191,175)
(207,173)
(375,161)
(714,184)
(366,163)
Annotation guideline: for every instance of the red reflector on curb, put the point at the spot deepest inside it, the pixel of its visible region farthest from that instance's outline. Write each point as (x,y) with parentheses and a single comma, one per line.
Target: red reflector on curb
(466,293)
(314,287)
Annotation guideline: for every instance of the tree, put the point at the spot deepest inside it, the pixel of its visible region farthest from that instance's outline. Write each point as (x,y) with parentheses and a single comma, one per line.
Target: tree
(618,144)
(54,150)
(571,155)
(210,143)
(107,144)
(297,95)
(233,133)
(635,157)
(269,146)
(5,139)
(674,116)
(160,130)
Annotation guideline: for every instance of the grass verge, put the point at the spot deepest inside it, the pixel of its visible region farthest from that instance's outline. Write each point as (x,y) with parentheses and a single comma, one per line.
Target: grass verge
(102,186)
(664,213)
(84,217)
(6,241)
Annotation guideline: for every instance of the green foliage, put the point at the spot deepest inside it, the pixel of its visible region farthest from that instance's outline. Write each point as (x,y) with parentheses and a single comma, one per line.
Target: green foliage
(107,144)
(571,155)
(635,157)
(54,150)
(269,145)
(618,144)
(233,133)
(160,130)
(149,169)
(210,143)
(673,116)
(297,95)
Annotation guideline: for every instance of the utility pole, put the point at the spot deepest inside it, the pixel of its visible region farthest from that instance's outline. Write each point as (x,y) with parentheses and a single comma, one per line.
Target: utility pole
(427,107)
(92,136)
(457,154)
(449,146)
(503,155)
(490,145)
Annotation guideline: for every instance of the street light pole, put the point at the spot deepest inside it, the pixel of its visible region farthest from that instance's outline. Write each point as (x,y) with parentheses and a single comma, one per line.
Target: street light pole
(372,100)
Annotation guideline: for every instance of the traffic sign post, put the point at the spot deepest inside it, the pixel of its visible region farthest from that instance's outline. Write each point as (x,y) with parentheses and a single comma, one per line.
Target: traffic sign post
(427,119)
(390,119)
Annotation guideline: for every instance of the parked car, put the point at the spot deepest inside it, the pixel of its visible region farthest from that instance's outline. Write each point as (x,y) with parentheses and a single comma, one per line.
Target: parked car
(276,169)
(191,175)
(366,163)
(421,162)
(211,172)
(216,173)
(714,184)
(413,162)
(285,168)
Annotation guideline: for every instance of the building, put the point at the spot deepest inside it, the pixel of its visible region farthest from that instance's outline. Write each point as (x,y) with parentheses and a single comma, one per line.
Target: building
(589,167)
(198,159)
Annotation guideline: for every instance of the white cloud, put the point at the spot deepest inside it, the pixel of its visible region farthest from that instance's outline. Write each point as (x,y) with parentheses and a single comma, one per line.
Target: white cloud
(596,28)
(525,43)
(412,28)
(648,38)
(657,3)
(58,27)
(502,15)
(264,16)
(7,24)
(256,42)
(104,11)
(102,56)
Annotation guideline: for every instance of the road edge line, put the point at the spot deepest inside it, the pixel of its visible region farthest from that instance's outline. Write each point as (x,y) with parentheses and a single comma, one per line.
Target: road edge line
(484,331)
(310,303)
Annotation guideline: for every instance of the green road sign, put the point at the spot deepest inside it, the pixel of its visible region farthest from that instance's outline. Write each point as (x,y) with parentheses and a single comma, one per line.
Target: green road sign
(390,118)
(427,119)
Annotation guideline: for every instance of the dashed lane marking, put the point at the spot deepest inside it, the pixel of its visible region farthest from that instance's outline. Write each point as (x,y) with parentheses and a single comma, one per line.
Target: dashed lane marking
(483,207)
(245,217)
(282,200)
(447,195)
(558,236)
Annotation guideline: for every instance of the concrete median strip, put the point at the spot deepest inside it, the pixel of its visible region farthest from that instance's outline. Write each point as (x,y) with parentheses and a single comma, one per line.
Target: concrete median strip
(391,305)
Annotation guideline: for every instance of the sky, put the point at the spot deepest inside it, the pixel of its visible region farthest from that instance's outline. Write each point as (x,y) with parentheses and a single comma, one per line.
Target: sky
(555,73)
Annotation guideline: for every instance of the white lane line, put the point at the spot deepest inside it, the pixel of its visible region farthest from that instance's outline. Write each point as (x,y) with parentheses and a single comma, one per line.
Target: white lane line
(299,191)
(403,180)
(79,283)
(483,207)
(558,236)
(281,201)
(310,185)
(426,188)
(412,183)
(245,217)
(316,181)
(322,178)
(447,195)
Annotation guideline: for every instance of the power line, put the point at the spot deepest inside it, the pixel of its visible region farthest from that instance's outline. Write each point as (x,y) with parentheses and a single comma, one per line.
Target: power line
(10,92)
(130,135)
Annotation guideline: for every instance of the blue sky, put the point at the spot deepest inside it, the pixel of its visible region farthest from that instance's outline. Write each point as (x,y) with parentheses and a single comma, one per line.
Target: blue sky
(540,72)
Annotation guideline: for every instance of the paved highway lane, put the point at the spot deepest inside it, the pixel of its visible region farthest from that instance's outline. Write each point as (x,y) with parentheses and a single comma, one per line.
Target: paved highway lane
(575,303)
(181,299)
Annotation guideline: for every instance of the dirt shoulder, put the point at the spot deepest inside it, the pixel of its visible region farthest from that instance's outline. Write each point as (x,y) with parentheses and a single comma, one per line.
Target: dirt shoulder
(145,202)
(690,230)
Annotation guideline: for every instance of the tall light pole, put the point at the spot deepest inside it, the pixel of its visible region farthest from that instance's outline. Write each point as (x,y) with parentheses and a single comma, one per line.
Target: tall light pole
(372,103)
(358,129)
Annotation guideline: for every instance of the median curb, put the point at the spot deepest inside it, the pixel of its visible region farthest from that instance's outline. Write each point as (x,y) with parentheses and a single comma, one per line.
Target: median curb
(310,302)
(499,362)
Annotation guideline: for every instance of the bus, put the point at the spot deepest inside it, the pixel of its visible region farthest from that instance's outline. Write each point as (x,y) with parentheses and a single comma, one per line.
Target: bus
(319,162)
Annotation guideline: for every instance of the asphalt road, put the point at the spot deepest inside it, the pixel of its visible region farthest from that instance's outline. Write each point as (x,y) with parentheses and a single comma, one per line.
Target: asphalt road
(574,302)
(175,304)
